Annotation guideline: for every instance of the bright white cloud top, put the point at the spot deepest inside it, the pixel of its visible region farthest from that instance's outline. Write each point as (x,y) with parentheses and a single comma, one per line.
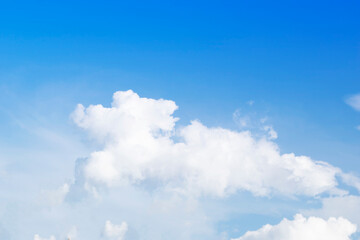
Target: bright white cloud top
(302,228)
(137,135)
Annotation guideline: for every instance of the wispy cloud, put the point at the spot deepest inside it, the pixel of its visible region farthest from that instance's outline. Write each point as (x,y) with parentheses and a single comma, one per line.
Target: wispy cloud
(354,101)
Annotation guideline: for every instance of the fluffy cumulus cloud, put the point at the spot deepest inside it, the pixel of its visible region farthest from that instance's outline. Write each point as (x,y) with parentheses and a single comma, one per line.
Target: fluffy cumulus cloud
(301,228)
(115,232)
(140,143)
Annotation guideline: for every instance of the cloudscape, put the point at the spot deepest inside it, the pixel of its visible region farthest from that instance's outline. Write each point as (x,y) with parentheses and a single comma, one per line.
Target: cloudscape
(183,121)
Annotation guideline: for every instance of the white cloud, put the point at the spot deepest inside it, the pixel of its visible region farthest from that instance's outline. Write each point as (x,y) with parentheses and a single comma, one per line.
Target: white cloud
(354,101)
(241,120)
(344,206)
(115,232)
(351,180)
(37,237)
(137,137)
(271,132)
(301,228)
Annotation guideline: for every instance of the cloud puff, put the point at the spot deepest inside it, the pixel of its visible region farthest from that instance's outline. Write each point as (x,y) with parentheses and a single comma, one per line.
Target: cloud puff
(301,228)
(354,101)
(37,237)
(115,232)
(140,143)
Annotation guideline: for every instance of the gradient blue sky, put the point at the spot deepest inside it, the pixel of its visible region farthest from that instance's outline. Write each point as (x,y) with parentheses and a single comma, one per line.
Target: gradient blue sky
(298,61)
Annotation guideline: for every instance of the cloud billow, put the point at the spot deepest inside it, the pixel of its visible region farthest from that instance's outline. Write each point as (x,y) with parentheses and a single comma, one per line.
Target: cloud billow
(137,135)
(301,228)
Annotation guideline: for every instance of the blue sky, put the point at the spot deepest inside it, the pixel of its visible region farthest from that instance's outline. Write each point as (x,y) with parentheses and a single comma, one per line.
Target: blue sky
(294,63)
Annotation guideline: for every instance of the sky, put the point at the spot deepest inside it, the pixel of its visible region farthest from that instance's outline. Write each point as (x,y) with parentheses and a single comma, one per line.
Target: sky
(179,120)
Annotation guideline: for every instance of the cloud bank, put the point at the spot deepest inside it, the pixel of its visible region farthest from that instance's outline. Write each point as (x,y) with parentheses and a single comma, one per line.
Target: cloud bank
(140,143)
(176,182)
